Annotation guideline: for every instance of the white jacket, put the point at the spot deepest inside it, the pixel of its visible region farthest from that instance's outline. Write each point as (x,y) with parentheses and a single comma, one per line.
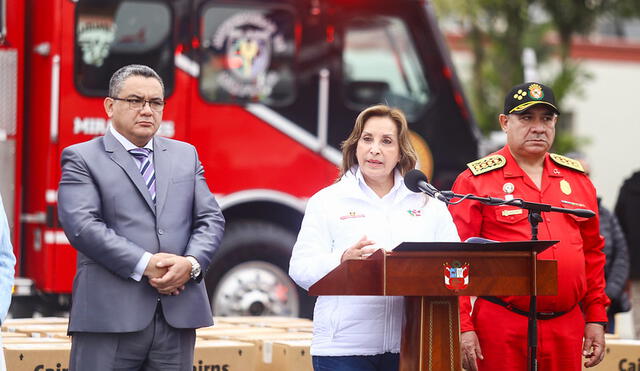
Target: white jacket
(335,219)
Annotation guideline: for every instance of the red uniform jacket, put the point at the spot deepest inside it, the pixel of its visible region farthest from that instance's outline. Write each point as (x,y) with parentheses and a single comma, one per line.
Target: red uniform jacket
(579,252)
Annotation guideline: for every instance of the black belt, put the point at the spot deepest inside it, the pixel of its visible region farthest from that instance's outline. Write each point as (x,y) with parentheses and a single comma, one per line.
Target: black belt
(539,315)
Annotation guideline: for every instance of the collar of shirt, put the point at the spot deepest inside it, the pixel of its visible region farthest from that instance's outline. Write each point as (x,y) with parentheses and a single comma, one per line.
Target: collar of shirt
(512,169)
(126,143)
(386,199)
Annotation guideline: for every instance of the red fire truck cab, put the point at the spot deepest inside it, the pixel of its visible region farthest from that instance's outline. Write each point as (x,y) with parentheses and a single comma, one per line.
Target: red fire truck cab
(266,91)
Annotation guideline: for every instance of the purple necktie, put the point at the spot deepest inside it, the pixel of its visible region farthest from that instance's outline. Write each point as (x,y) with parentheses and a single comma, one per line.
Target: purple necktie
(145,163)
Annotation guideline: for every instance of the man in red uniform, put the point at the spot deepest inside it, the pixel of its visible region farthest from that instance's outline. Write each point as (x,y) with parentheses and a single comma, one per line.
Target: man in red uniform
(494,336)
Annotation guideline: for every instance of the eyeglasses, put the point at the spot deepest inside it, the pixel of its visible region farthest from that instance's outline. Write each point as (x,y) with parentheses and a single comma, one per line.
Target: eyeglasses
(138,103)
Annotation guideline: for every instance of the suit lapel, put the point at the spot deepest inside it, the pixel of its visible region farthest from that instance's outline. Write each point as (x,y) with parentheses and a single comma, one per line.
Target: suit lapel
(121,157)
(162,163)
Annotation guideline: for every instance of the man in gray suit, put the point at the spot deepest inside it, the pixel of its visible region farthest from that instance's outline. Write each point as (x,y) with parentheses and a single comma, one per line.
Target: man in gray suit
(138,210)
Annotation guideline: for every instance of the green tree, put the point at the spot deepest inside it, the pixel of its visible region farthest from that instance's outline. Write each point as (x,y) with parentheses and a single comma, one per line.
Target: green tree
(497,32)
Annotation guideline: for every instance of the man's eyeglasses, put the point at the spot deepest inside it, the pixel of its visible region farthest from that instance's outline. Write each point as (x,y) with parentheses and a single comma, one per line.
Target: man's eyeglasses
(138,103)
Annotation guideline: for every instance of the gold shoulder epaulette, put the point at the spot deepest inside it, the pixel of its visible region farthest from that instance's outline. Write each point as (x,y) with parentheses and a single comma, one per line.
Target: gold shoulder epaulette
(486,164)
(567,162)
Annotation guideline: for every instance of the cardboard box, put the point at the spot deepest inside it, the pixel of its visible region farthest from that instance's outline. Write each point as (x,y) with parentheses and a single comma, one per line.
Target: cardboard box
(60,335)
(29,357)
(37,321)
(258,338)
(32,340)
(619,355)
(232,333)
(290,355)
(6,335)
(256,320)
(219,326)
(41,330)
(296,326)
(223,355)
(14,322)
(208,355)
(264,344)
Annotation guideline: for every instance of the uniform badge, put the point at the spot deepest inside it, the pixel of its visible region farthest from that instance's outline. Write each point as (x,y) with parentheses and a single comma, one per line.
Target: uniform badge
(508,188)
(351,215)
(535,92)
(575,204)
(512,212)
(486,164)
(415,212)
(520,94)
(456,275)
(565,187)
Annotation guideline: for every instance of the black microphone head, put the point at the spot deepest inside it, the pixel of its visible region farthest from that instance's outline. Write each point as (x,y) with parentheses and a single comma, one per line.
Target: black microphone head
(584,213)
(412,178)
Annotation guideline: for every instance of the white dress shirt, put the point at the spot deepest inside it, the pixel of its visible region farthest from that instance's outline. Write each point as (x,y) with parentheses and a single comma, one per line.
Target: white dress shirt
(138,271)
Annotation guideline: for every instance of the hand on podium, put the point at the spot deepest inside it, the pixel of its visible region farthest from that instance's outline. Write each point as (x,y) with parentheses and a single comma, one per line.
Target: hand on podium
(359,251)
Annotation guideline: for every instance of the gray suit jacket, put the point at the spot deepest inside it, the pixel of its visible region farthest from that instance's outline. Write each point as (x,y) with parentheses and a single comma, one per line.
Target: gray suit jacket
(108,215)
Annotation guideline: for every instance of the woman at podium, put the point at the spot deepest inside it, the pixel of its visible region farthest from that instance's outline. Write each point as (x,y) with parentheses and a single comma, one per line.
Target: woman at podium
(366,209)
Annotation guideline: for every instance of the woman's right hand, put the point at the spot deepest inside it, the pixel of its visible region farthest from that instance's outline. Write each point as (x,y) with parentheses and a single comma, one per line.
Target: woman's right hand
(359,250)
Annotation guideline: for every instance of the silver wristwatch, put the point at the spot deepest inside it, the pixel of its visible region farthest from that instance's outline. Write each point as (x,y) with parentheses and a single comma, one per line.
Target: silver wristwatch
(195,267)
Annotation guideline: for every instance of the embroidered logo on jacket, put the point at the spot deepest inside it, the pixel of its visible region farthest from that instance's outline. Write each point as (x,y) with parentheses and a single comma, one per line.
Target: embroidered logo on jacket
(351,215)
(415,212)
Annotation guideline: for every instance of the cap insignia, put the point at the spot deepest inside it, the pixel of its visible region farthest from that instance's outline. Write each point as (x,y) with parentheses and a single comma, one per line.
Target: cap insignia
(567,162)
(535,92)
(520,94)
(486,164)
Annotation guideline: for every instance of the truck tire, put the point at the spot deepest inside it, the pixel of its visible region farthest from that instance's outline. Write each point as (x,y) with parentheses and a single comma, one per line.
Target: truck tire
(22,307)
(249,273)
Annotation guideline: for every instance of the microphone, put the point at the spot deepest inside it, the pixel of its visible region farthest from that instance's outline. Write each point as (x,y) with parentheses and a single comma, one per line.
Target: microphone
(584,213)
(417,182)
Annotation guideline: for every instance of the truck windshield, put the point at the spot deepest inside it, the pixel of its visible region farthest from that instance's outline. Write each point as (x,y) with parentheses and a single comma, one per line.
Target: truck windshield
(3,17)
(111,34)
(247,54)
(381,64)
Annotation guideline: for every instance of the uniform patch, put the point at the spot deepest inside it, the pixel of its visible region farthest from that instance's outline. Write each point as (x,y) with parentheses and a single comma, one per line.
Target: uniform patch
(508,188)
(573,203)
(565,187)
(512,212)
(567,162)
(520,94)
(486,164)
(535,91)
(351,215)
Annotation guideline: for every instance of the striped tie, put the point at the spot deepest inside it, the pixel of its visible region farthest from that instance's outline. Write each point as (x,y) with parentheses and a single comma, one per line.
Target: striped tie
(145,164)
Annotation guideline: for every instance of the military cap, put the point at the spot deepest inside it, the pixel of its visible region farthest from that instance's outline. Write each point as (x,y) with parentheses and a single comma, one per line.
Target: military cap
(522,97)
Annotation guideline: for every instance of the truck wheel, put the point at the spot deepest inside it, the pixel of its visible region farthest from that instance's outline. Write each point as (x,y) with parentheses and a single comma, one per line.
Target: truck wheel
(248,276)
(22,307)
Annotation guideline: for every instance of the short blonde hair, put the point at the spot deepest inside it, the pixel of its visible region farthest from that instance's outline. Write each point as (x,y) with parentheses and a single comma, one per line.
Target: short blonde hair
(408,155)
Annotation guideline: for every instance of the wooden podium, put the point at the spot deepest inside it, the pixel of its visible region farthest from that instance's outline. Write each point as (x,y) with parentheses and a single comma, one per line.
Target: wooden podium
(431,332)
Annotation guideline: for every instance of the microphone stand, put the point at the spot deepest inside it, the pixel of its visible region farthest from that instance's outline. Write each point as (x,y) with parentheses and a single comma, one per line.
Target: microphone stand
(534,209)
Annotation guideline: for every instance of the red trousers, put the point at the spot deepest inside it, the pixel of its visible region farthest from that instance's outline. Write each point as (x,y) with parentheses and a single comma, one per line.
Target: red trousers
(503,339)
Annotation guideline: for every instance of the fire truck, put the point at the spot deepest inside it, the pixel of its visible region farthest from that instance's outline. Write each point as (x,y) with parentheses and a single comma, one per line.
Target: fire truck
(265,90)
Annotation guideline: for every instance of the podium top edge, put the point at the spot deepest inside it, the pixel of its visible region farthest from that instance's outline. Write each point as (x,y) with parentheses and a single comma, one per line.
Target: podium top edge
(538,246)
